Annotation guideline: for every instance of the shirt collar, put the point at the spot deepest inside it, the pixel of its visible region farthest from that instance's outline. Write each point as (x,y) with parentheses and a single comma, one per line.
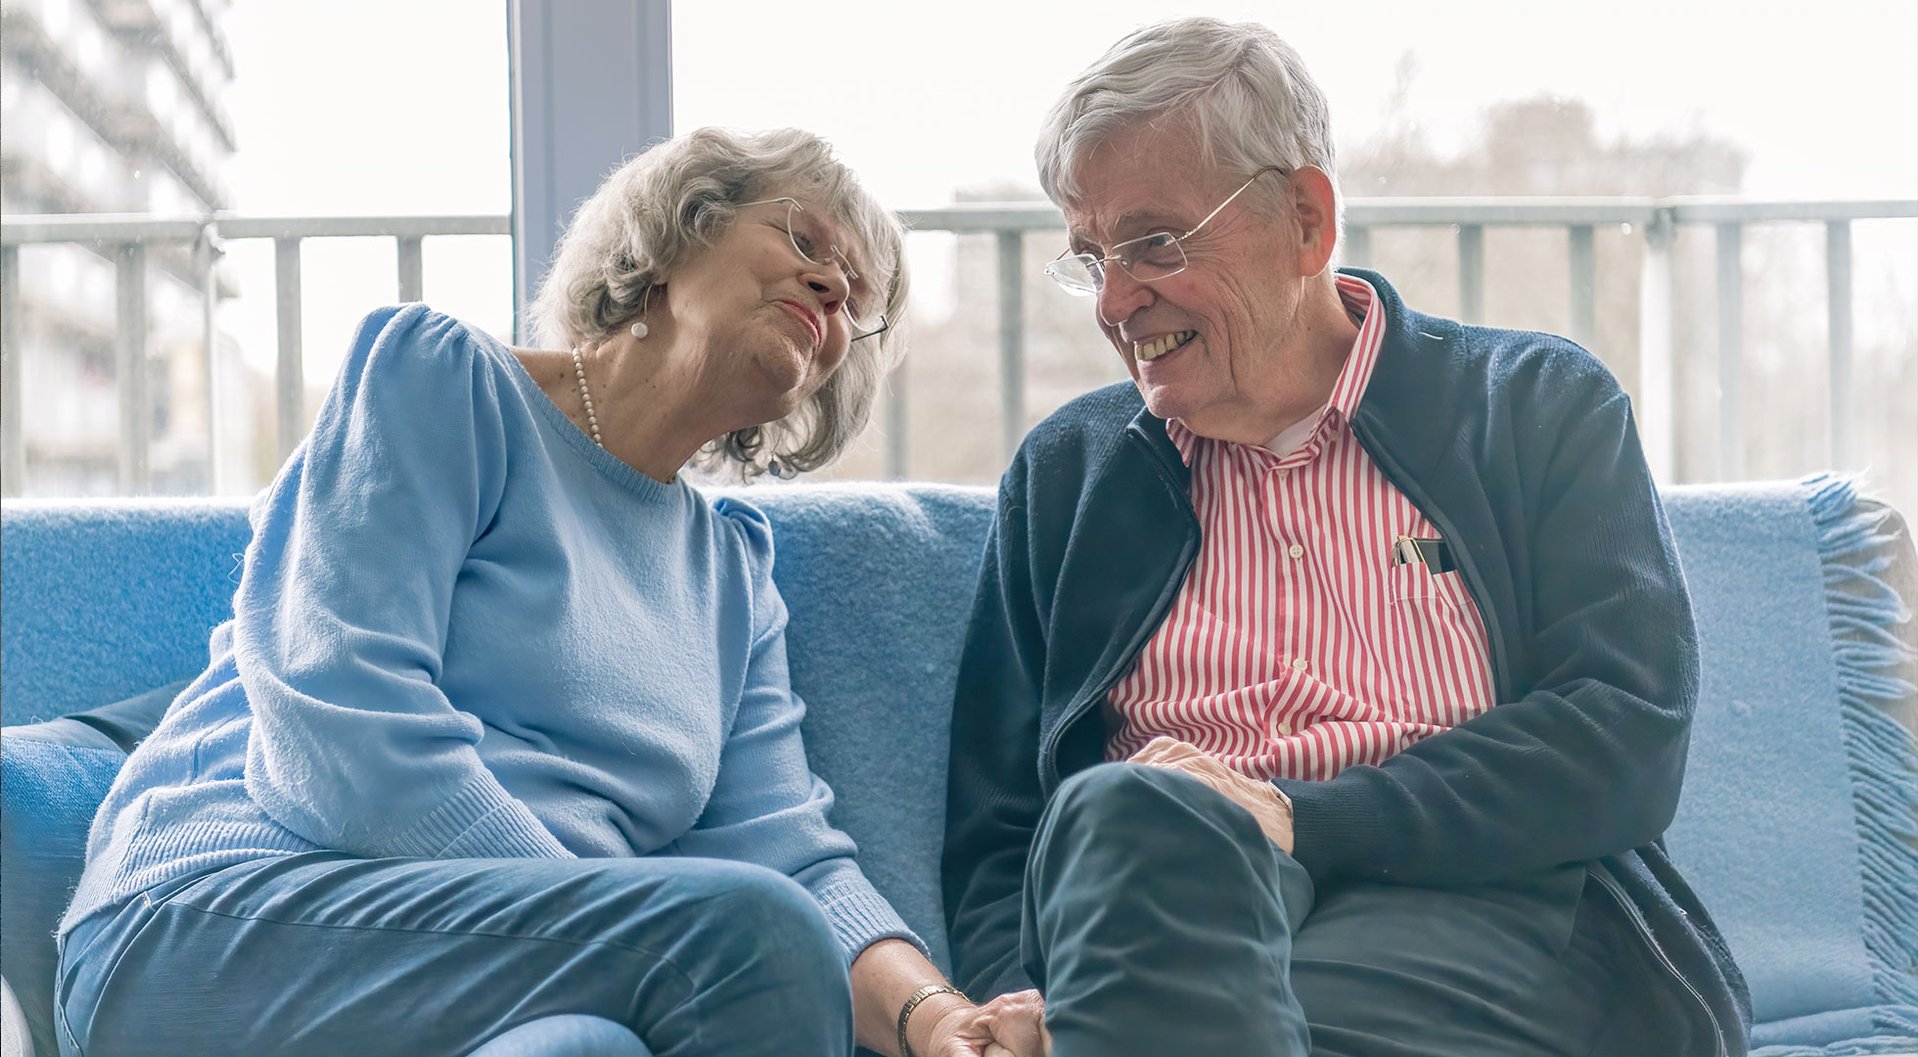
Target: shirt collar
(1359,299)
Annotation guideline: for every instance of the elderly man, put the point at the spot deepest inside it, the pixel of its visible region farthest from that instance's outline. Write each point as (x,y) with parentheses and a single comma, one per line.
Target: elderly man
(1327,688)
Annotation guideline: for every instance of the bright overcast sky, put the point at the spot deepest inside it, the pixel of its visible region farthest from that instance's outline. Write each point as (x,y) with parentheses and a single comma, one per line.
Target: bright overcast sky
(400,106)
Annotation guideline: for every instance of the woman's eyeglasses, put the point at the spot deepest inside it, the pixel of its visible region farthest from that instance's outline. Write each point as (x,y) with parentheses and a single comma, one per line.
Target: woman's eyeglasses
(809,243)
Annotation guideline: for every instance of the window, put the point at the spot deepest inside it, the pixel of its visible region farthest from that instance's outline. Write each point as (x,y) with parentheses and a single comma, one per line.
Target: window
(293,109)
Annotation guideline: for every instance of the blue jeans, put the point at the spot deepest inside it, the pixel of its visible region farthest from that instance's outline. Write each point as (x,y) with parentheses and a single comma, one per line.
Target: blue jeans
(325,954)
(1160,920)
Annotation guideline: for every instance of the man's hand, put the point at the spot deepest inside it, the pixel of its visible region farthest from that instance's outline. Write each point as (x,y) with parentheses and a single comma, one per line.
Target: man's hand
(1008,1026)
(1271,808)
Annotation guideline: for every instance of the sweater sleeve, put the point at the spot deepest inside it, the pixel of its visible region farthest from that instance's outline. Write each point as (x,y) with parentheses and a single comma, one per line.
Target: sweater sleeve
(767,807)
(1587,759)
(340,617)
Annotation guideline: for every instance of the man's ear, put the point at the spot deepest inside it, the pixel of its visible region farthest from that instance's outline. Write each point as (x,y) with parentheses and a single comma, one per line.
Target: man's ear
(1315,204)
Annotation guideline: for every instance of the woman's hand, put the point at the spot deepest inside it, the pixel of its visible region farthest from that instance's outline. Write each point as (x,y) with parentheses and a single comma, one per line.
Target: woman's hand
(944,1023)
(1008,1026)
(1271,808)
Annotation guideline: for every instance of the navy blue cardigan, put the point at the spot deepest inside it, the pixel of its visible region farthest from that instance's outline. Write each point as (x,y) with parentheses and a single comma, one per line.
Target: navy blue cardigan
(1520,448)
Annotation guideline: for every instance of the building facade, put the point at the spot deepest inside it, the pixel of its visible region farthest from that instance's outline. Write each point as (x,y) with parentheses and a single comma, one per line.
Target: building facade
(113,107)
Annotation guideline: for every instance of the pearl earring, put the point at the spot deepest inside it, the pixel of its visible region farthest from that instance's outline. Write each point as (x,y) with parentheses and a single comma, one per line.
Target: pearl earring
(640,329)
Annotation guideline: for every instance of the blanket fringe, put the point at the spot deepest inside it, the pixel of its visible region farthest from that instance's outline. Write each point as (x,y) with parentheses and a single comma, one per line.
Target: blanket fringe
(1877,1046)
(1865,613)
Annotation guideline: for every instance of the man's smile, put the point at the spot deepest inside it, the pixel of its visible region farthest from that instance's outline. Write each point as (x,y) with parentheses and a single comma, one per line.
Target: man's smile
(1143,351)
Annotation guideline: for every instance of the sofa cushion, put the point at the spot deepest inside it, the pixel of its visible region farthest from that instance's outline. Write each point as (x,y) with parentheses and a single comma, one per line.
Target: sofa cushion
(108,600)
(53,776)
(879,582)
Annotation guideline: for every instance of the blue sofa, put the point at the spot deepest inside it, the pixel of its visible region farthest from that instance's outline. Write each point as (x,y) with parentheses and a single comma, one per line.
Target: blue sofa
(1797,824)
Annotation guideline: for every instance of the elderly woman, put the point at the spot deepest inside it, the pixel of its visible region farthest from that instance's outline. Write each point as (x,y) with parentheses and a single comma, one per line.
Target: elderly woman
(501,727)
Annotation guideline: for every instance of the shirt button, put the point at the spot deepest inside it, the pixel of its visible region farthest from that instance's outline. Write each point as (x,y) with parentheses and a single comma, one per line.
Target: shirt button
(1296,551)
(1300,664)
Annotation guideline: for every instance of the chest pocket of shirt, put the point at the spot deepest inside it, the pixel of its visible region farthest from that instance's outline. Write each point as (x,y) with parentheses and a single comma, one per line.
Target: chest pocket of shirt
(1432,621)
(1423,627)
(1418,584)
(1435,650)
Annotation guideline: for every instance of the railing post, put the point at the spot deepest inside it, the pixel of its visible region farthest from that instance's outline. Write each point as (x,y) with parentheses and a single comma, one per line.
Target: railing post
(1731,352)
(1655,407)
(898,420)
(1012,341)
(1471,272)
(1358,246)
(1838,307)
(130,365)
(1584,268)
(208,254)
(412,270)
(13,471)
(289,379)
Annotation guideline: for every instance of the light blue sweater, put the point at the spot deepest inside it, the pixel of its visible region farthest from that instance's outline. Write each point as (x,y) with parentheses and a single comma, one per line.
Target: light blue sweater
(464,630)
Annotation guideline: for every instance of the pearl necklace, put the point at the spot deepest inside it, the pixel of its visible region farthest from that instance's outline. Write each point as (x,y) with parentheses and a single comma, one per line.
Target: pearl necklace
(585,397)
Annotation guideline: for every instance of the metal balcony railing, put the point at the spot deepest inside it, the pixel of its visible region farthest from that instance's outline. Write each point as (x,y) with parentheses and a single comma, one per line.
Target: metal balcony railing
(125,239)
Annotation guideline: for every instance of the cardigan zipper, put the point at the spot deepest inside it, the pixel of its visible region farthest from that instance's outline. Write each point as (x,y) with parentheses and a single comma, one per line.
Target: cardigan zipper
(1644,931)
(1083,701)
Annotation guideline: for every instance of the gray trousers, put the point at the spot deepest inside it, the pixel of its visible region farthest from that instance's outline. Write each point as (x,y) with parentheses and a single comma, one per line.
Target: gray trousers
(1160,920)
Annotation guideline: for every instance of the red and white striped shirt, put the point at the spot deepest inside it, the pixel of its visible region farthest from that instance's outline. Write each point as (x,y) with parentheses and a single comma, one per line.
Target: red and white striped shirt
(1296,647)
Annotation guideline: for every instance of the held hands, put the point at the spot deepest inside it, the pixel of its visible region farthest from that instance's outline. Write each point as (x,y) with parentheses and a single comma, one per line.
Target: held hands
(1268,805)
(1008,1026)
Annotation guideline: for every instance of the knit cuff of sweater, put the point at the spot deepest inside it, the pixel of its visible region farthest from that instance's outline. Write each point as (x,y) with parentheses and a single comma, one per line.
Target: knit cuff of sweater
(1328,829)
(484,822)
(861,917)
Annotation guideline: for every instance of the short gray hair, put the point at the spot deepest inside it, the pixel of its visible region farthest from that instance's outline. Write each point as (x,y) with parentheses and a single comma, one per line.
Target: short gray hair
(679,196)
(1246,92)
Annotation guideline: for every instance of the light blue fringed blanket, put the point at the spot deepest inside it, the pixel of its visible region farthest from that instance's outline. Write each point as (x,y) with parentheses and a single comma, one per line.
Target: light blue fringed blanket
(1800,766)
